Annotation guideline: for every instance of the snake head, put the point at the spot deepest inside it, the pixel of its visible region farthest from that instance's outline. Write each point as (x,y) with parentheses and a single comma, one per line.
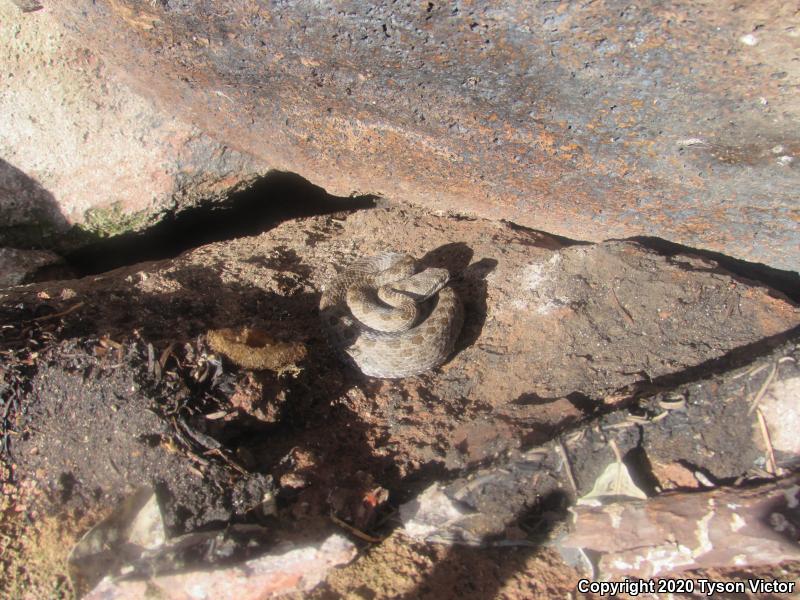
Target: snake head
(397,266)
(423,285)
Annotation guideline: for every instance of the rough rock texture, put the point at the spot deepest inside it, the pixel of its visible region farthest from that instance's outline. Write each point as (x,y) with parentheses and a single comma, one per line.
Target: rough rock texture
(591,121)
(551,332)
(17,265)
(109,381)
(674,532)
(706,433)
(281,572)
(80,147)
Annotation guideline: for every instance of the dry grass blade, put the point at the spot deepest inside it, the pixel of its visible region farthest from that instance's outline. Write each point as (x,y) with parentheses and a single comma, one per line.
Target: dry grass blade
(762,389)
(762,424)
(356,532)
(59,314)
(567,467)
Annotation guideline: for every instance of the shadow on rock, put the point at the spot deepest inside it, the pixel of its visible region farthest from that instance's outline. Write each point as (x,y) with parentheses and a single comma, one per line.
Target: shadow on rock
(469,281)
(29,214)
(482,572)
(734,359)
(787,282)
(276,197)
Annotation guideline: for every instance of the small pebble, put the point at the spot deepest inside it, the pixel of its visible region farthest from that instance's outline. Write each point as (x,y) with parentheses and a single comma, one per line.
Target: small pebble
(749,39)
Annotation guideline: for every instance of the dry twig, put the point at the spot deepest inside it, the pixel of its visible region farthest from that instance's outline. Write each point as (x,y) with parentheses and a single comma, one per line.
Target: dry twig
(567,467)
(762,389)
(762,424)
(58,314)
(356,532)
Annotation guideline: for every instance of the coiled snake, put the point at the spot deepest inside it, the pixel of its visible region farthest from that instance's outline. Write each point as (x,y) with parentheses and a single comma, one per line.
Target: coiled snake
(376,312)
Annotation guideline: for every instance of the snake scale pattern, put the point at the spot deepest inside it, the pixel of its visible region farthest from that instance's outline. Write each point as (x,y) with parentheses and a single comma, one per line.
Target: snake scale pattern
(389,320)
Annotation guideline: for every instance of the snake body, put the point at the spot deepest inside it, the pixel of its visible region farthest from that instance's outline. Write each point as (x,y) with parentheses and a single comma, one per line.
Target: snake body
(377,313)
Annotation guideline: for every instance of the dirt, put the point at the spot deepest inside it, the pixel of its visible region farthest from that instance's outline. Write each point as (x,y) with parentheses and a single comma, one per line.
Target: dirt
(114,385)
(95,435)
(401,568)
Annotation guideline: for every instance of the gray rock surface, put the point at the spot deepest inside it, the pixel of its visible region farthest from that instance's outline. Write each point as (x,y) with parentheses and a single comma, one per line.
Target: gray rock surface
(18,265)
(80,147)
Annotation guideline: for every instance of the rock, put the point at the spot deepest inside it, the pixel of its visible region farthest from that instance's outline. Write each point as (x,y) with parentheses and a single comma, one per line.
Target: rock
(434,516)
(82,148)
(133,529)
(782,416)
(688,438)
(664,448)
(17,266)
(675,532)
(292,569)
(590,122)
(551,334)
(674,475)
(567,351)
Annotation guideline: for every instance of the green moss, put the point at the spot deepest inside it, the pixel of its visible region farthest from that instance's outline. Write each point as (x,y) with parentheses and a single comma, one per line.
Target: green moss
(111,221)
(99,223)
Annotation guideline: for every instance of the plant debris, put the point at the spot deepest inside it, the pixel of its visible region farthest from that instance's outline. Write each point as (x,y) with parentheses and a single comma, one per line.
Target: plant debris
(255,349)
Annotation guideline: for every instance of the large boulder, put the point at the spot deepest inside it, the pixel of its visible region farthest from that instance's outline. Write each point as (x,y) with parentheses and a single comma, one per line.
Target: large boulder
(80,148)
(605,120)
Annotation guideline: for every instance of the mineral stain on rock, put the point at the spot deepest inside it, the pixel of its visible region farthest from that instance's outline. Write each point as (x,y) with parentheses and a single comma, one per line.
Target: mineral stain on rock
(592,122)
(571,119)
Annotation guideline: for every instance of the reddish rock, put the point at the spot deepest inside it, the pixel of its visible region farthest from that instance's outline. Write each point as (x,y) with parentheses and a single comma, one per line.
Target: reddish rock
(709,439)
(293,569)
(550,331)
(675,532)
(590,121)
(674,475)
(553,333)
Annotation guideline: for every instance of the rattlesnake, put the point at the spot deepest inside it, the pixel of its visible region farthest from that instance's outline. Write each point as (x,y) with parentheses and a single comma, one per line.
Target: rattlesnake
(374,312)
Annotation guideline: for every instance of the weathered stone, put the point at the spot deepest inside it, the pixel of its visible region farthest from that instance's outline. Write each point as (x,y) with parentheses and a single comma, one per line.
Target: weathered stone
(680,531)
(551,332)
(80,148)
(435,516)
(758,403)
(590,121)
(291,569)
(17,265)
(781,415)
(669,448)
